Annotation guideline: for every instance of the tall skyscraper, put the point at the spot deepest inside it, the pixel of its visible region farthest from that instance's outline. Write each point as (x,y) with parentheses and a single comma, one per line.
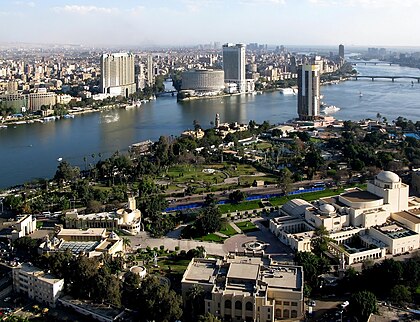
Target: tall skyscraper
(308,91)
(234,65)
(117,74)
(150,71)
(341,51)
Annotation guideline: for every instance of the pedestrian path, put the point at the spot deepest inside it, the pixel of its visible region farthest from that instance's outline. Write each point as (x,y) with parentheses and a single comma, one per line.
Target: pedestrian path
(221,235)
(237,229)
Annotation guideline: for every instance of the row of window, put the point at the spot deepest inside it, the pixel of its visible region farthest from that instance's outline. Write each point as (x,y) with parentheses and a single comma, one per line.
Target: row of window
(238,305)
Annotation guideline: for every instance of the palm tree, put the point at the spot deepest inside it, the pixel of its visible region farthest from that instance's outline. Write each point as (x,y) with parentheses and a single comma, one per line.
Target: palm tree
(126,243)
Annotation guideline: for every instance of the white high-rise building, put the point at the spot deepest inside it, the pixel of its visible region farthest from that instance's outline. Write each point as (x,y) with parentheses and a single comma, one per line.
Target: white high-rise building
(234,65)
(308,91)
(117,74)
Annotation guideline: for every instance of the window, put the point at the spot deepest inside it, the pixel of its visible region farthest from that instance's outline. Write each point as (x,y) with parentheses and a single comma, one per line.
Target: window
(238,305)
(294,314)
(286,303)
(228,304)
(294,303)
(248,306)
(278,302)
(286,314)
(278,314)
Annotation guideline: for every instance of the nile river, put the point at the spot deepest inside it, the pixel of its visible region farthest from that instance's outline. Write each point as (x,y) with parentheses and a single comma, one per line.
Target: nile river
(31,151)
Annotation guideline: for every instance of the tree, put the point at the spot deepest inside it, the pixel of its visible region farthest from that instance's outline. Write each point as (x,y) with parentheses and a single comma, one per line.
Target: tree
(319,242)
(285,180)
(157,302)
(400,294)
(209,221)
(237,196)
(210,200)
(362,304)
(65,172)
(194,302)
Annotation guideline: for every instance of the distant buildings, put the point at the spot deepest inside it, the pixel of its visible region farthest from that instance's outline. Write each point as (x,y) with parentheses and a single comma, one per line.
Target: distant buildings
(341,51)
(247,287)
(117,74)
(308,91)
(234,65)
(150,71)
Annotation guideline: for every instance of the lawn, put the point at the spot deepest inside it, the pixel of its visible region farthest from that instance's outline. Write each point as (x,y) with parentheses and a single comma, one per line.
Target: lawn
(264,145)
(228,230)
(246,226)
(189,173)
(177,266)
(246,205)
(212,238)
(249,180)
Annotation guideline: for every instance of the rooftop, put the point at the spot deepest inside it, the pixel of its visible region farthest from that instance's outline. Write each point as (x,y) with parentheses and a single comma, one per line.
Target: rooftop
(201,270)
(80,232)
(394,231)
(410,216)
(243,271)
(360,196)
(285,277)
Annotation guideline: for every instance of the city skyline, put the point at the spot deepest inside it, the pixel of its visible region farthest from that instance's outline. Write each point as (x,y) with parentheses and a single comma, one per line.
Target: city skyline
(187,22)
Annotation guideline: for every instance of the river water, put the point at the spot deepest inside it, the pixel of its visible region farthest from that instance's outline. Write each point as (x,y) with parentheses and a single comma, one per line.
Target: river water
(31,151)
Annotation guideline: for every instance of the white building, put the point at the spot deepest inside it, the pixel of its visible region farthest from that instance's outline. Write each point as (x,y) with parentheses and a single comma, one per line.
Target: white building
(37,285)
(117,74)
(365,214)
(24,225)
(234,65)
(203,80)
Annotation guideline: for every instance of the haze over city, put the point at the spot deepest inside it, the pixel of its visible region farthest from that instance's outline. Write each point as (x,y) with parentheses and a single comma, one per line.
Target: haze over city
(188,22)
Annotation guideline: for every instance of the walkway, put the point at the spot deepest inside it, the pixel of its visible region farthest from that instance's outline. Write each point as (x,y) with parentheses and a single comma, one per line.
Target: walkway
(237,229)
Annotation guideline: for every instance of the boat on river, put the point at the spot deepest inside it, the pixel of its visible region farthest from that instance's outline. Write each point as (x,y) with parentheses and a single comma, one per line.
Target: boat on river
(330,109)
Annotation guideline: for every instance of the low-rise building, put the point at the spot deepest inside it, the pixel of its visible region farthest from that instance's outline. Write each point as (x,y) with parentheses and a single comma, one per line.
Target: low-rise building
(37,285)
(127,219)
(247,287)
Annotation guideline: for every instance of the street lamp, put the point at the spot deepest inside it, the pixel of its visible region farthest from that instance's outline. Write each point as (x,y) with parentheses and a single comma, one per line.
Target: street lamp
(1,202)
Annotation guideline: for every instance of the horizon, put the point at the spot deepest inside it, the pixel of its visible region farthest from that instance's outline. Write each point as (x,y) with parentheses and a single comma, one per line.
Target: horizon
(186,23)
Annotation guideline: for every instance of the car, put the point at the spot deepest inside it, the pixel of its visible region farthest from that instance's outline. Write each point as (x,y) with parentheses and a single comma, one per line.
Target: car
(7,299)
(312,303)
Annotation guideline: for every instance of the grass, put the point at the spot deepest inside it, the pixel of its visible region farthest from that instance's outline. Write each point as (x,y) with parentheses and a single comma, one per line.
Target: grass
(228,230)
(246,205)
(264,145)
(212,238)
(246,226)
(177,266)
(189,173)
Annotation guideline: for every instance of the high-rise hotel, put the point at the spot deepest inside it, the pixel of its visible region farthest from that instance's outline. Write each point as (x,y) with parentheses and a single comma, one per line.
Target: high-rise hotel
(234,65)
(117,74)
(308,92)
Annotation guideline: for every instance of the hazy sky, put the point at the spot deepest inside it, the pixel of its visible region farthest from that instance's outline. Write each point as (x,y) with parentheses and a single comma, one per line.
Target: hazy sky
(186,22)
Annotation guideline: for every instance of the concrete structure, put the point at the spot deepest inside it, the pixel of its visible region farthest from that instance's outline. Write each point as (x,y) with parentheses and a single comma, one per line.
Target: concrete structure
(92,242)
(247,287)
(234,65)
(41,98)
(37,285)
(355,214)
(150,71)
(308,92)
(203,80)
(341,51)
(127,219)
(117,74)
(24,225)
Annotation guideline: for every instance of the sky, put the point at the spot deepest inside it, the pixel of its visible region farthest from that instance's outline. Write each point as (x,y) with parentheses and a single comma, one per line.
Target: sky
(189,22)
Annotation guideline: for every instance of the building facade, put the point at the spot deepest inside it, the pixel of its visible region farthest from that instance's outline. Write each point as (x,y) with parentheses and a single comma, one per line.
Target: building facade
(341,51)
(37,285)
(234,65)
(309,102)
(117,74)
(247,287)
(203,80)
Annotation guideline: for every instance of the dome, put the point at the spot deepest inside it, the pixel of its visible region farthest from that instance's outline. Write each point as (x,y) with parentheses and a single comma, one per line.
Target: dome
(327,208)
(388,176)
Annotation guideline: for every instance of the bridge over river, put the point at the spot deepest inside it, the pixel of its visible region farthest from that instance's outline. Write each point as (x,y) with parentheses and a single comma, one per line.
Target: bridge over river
(393,78)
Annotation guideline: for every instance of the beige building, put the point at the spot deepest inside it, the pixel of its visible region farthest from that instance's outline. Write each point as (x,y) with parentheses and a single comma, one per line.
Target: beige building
(203,80)
(247,287)
(127,219)
(40,98)
(37,285)
(24,225)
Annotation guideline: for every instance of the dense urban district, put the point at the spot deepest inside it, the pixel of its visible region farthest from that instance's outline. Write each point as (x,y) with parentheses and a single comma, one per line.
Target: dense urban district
(315,219)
